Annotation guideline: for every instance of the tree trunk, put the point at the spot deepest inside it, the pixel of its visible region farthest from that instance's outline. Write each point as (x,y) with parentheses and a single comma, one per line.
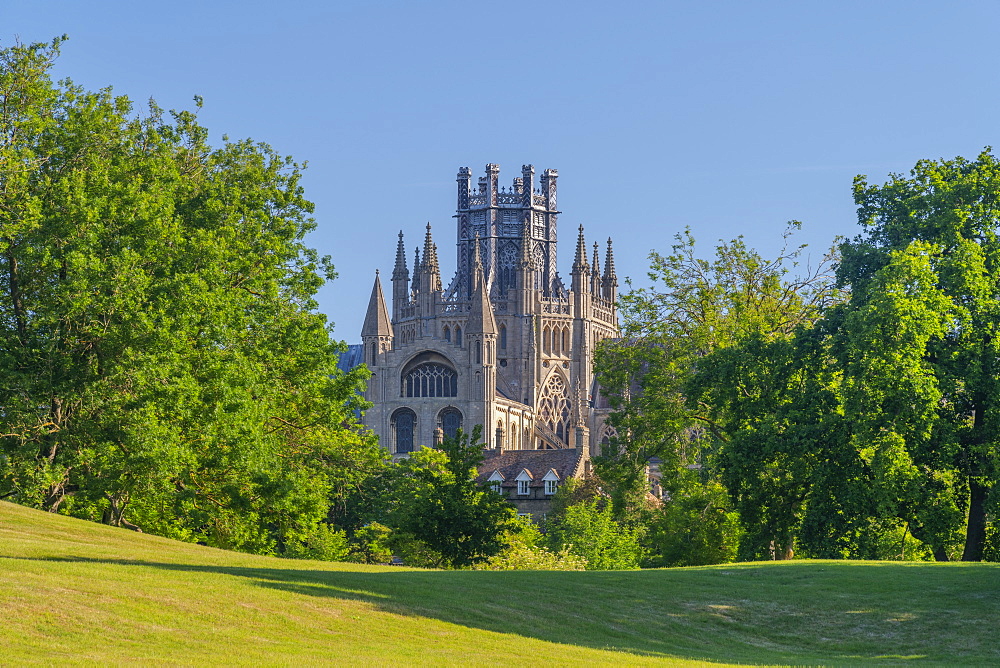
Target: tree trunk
(975,533)
(940,554)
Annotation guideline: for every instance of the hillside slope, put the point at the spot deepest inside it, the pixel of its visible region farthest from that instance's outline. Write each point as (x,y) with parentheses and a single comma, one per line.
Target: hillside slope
(76,592)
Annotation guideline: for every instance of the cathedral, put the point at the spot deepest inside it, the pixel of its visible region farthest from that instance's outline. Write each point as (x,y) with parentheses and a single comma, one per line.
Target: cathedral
(506,344)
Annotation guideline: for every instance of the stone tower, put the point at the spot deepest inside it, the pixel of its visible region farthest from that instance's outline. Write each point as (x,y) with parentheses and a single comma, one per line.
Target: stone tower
(506,344)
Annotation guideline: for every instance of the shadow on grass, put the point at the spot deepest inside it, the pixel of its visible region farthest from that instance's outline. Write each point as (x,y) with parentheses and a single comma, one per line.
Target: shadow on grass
(801,612)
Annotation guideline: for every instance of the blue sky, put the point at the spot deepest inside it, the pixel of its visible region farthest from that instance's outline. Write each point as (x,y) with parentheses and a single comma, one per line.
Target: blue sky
(728,117)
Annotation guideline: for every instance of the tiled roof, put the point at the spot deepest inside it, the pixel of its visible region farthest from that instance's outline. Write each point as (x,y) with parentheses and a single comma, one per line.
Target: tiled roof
(566,462)
(351,358)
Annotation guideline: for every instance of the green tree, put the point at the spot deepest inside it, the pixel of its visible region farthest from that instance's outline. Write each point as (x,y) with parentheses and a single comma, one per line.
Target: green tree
(441,516)
(525,550)
(665,375)
(695,528)
(162,366)
(920,345)
(589,531)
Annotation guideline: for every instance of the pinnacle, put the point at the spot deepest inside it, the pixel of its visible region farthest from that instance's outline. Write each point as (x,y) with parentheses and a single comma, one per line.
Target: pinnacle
(377,320)
(430,251)
(400,272)
(610,278)
(580,261)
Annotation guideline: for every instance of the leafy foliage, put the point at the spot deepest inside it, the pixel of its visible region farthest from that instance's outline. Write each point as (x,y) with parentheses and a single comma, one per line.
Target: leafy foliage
(162,366)
(525,551)
(695,384)
(590,532)
(919,348)
(694,528)
(440,515)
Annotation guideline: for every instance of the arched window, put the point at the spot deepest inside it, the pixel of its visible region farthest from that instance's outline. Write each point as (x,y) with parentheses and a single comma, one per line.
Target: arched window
(565,336)
(450,421)
(503,337)
(447,334)
(458,337)
(374,353)
(555,342)
(429,377)
(553,408)
(499,435)
(404,427)
(479,352)
(546,340)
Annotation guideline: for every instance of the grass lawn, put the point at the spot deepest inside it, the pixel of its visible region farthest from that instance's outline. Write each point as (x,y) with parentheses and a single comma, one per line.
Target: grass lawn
(73,592)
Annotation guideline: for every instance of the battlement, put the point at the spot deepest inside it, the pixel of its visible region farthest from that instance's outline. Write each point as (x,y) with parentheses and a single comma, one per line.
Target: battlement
(521,194)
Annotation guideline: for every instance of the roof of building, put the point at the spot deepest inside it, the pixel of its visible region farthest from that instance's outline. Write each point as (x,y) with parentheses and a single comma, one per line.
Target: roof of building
(566,462)
(377,320)
(352,357)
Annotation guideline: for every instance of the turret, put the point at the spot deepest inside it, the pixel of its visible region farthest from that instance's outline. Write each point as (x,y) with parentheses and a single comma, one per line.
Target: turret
(548,180)
(481,319)
(400,280)
(464,180)
(609,286)
(415,289)
(595,276)
(430,276)
(581,269)
(481,333)
(376,333)
(525,271)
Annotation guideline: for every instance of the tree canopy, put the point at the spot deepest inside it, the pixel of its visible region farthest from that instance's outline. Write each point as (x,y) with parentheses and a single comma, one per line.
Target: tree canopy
(162,364)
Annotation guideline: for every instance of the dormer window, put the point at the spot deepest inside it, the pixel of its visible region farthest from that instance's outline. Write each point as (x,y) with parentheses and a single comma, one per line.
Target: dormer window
(495,481)
(523,480)
(551,481)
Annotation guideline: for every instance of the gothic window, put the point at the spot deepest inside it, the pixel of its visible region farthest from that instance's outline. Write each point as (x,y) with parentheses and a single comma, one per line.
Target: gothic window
(565,338)
(450,420)
(404,426)
(555,342)
(503,337)
(507,260)
(499,435)
(430,379)
(609,435)
(479,352)
(546,340)
(447,334)
(538,258)
(458,337)
(374,354)
(553,408)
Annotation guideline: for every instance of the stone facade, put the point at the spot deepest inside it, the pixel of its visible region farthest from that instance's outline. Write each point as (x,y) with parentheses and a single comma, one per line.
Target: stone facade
(506,344)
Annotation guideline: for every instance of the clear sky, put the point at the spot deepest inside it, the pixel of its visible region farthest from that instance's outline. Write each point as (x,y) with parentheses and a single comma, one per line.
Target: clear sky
(728,117)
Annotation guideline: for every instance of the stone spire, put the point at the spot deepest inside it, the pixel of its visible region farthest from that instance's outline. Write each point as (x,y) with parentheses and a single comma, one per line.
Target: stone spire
(595,281)
(581,270)
(377,321)
(400,281)
(416,270)
(481,320)
(430,251)
(400,272)
(610,282)
(430,267)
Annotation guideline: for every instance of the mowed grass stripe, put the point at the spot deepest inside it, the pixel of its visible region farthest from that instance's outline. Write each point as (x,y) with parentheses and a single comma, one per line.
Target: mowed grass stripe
(81,593)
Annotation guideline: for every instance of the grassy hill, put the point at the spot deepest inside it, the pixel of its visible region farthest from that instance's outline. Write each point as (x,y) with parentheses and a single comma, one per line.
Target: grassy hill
(74,592)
